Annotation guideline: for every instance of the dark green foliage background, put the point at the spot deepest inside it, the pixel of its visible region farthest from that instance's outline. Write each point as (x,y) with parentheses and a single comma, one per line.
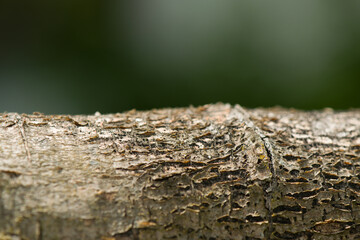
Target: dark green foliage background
(78,57)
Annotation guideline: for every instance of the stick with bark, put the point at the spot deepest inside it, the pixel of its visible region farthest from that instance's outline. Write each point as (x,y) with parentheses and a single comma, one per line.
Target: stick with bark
(211,172)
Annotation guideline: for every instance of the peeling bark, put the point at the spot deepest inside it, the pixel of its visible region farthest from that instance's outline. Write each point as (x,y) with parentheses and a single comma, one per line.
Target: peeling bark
(212,172)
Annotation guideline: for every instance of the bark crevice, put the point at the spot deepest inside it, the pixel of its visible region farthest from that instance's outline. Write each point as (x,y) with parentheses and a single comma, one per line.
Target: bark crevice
(268,190)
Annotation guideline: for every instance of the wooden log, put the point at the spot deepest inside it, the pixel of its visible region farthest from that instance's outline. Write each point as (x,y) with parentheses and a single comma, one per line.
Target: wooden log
(211,172)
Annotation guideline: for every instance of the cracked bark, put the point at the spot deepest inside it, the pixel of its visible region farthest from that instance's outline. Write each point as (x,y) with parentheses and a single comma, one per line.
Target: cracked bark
(212,172)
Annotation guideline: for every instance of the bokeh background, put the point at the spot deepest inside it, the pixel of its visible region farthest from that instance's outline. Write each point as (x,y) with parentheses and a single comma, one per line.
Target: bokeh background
(79,57)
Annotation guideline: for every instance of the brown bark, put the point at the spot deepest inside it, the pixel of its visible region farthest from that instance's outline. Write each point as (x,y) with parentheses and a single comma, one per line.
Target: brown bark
(212,172)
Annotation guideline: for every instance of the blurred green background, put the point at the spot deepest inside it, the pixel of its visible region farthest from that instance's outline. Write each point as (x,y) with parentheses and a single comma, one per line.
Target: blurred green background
(78,57)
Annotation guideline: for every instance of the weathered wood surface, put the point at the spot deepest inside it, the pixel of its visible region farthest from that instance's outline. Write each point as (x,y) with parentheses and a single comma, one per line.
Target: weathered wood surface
(212,172)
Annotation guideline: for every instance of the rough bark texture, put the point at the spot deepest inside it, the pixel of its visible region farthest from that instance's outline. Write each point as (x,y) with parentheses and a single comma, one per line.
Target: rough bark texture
(212,172)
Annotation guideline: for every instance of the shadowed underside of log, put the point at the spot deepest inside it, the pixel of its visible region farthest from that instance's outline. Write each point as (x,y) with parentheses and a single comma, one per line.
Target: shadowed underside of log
(212,172)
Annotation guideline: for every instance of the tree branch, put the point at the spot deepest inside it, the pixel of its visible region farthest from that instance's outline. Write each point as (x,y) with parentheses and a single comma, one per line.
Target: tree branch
(212,172)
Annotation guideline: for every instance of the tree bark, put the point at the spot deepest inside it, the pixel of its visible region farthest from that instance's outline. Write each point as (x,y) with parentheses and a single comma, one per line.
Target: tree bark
(212,172)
